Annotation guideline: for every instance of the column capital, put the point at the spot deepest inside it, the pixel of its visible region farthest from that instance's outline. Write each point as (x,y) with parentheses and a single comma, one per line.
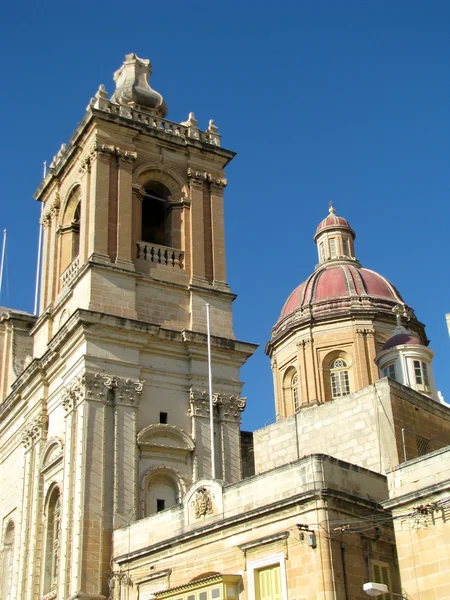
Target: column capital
(138,191)
(35,430)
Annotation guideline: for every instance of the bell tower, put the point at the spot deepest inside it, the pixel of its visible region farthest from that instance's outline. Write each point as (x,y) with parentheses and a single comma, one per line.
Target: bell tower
(135,203)
(113,408)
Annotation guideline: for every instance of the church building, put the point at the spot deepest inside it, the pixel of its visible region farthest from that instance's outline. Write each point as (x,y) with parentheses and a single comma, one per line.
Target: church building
(110,489)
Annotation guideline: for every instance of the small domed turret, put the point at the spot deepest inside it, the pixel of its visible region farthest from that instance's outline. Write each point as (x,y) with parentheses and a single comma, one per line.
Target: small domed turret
(406,359)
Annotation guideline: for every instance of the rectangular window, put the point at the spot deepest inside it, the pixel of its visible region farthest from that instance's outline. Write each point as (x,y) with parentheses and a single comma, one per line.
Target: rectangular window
(425,374)
(346,246)
(333,248)
(163,417)
(322,252)
(340,384)
(268,583)
(381,574)
(296,400)
(160,505)
(389,371)
(418,372)
(267,578)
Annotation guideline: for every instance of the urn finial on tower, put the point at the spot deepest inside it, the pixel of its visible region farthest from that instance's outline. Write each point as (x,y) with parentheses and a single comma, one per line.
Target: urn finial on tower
(133,88)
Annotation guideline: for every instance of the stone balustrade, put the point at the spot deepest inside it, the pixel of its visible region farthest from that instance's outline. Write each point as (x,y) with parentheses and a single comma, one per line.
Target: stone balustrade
(70,273)
(169,127)
(162,255)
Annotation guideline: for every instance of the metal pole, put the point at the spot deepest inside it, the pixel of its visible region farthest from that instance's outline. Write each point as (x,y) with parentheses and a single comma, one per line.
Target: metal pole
(403,442)
(38,266)
(3,259)
(211,414)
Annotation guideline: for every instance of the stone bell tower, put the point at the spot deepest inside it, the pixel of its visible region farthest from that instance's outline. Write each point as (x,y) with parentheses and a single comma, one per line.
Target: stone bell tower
(113,409)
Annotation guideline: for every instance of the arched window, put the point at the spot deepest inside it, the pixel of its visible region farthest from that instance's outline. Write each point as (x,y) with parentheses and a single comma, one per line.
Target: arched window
(339,378)
(155,215)
(295,394)
(291,391)
(75,226)
(7,561)
(52,541)
(69,230)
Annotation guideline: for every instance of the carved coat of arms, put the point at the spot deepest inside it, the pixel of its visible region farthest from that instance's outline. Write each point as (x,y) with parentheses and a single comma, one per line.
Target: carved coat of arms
(202,503)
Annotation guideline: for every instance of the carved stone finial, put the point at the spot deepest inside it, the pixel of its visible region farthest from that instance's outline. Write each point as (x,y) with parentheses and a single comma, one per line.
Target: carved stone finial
(331,208)
(191,121)
(133,87)
(212,127)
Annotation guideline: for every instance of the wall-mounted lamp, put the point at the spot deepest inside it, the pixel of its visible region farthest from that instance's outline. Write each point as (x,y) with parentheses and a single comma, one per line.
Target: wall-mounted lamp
(309,534)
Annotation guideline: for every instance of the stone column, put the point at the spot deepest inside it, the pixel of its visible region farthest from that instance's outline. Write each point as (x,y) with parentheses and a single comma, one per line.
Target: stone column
(99,203)
(85,176)
(230,409)
(218,231)
(32,435)
(201,433)
(37,435)
(304,372)
(138,197)
(197,233)
(127,393)
(125,256)
(45,224)
(54,258)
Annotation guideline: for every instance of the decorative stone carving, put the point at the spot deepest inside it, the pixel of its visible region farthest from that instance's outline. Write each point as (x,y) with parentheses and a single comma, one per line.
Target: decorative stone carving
(229,406)
(50,211)
(202,503)
(35,430)
(101,387)
(128,391)
(200,177)
(58,156)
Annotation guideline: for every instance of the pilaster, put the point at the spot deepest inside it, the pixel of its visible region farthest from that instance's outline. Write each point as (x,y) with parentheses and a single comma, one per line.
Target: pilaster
(218,231)
(124,255)
(99,202)
(197,233)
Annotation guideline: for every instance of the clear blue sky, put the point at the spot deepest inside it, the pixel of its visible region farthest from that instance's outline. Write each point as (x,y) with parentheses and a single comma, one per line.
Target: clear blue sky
(338,99)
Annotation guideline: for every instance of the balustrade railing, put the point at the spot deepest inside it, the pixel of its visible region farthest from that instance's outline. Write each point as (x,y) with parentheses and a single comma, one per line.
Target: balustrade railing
(70,273)
(162,255)
(169,127)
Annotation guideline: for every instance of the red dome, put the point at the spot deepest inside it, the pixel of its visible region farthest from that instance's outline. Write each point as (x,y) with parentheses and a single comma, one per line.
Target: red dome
(341,282)
(332,221)
(400,339)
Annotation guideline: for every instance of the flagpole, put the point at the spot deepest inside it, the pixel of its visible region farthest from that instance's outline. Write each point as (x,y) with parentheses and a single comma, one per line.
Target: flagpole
(38,266)
(3,259)
(211,414)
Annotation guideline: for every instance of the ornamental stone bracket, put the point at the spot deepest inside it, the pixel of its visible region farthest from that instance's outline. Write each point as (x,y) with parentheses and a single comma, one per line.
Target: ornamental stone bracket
(35,430)
(51,211)
(229,407)
(100,387)
(199,178)
(106,150)
(365,333)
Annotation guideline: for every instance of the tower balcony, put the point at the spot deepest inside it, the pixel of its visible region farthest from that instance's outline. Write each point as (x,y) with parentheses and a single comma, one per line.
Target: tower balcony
(154,254)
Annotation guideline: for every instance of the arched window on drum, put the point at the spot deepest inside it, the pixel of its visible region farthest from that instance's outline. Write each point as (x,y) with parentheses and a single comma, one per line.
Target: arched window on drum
(339,378)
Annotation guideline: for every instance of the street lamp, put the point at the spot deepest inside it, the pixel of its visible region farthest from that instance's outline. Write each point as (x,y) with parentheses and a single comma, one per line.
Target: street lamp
(377,589)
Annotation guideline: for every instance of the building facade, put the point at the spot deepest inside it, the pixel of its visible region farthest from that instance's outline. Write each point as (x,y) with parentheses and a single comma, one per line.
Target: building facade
(105,438)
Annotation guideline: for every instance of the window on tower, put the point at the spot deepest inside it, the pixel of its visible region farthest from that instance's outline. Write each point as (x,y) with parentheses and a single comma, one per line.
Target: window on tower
(155,225)
(333,248)
(421,374)
(346,246)
(389,371)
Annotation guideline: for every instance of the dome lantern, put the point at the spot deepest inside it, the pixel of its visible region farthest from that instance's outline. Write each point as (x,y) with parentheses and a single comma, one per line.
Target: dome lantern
(334,238)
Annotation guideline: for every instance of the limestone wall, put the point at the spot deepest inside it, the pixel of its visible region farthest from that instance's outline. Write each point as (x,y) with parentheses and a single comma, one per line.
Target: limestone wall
(420,499)
(356,428)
